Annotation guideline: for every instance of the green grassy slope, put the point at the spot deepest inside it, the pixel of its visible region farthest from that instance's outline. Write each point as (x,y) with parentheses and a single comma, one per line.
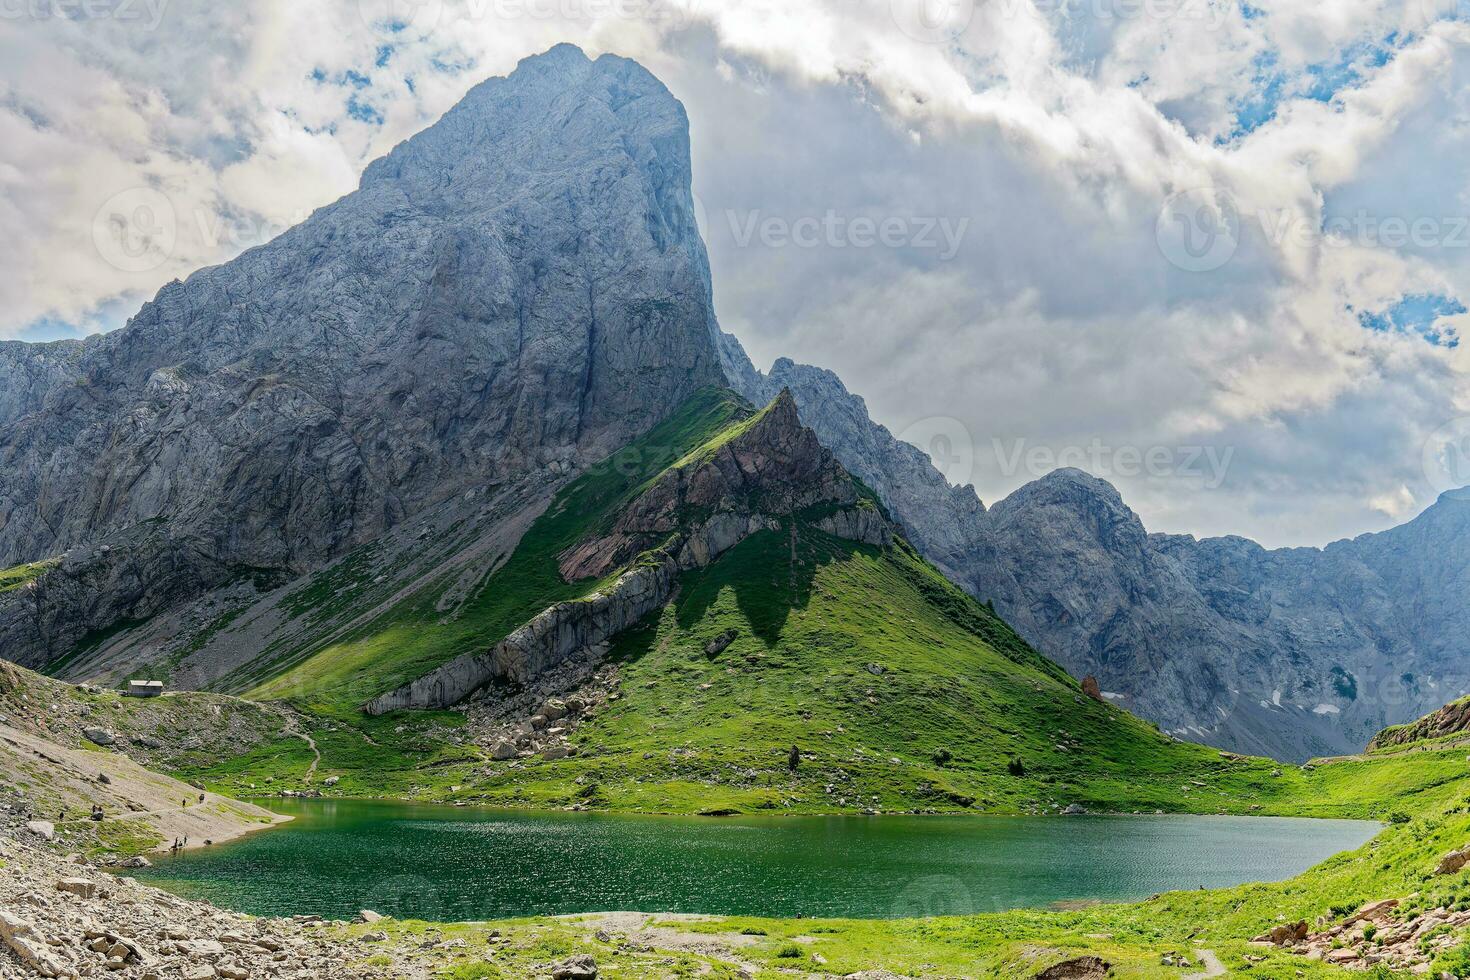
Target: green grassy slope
(416,635)
(901,692)
(23,575)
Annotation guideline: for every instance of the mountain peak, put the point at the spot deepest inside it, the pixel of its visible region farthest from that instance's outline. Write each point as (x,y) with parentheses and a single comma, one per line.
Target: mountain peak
(1070,485)
(518,289)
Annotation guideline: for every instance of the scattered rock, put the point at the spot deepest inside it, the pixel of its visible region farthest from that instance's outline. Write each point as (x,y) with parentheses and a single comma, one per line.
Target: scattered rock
(1288,934)
(80,887)
(28,944)
(720,643)
(100,736)
(1453,861)
(579,967)
(1080,968)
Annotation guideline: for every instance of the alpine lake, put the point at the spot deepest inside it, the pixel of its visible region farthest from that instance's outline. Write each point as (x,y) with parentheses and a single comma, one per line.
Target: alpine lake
(445,863)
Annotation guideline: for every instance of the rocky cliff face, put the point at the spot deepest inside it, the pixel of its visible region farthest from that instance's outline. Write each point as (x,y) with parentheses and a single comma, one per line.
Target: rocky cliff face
(29,373)
(520,286)
(766,469)
(1291,652)
(775,467)
(518,289)
(946,523)
(1453,719)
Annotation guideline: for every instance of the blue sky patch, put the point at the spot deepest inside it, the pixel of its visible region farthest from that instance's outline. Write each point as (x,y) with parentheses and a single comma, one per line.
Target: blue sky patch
(363,111)
(1320,82)
(1418,314)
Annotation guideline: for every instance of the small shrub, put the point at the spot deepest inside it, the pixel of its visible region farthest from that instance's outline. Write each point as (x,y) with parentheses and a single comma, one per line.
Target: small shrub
(791,951)
(752,931)
(942,757)
(1016,768)
(1398,817)
(1369,931)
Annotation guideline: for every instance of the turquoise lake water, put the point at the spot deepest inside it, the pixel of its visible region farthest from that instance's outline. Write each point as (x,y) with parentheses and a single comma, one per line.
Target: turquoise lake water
(452,864)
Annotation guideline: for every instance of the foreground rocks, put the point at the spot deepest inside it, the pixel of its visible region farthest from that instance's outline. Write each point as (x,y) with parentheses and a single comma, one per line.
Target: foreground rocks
(62,919)
(1374,936)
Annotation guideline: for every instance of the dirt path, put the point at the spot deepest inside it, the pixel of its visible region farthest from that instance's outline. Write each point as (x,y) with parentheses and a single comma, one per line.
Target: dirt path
(1211,963)
(291,725)
(72,781)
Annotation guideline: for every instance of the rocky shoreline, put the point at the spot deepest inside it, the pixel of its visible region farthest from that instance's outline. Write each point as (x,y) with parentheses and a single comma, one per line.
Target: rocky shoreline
(61,917)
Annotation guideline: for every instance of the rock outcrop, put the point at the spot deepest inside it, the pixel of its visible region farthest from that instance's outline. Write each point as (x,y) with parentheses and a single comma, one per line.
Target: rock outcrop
(517,289)
(1453,719)
(768,469)
(775,468)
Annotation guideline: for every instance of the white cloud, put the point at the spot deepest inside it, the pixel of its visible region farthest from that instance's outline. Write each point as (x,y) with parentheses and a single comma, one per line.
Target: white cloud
(1052,132)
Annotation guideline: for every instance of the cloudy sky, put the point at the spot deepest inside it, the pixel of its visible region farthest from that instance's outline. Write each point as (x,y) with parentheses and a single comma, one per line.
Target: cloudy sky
(1216,253)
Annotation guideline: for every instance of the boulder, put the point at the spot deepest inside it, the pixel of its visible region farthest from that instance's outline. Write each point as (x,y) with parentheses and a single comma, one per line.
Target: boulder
(100,736)
(80,887)
(331,780)
(1453,861)
(29,945)
(1080,968)
(718,645)
(1091,689)
(553,710)
(1287,934)
(369,916)
(504,750)
(42,828)
(579,967)
(1372,911)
